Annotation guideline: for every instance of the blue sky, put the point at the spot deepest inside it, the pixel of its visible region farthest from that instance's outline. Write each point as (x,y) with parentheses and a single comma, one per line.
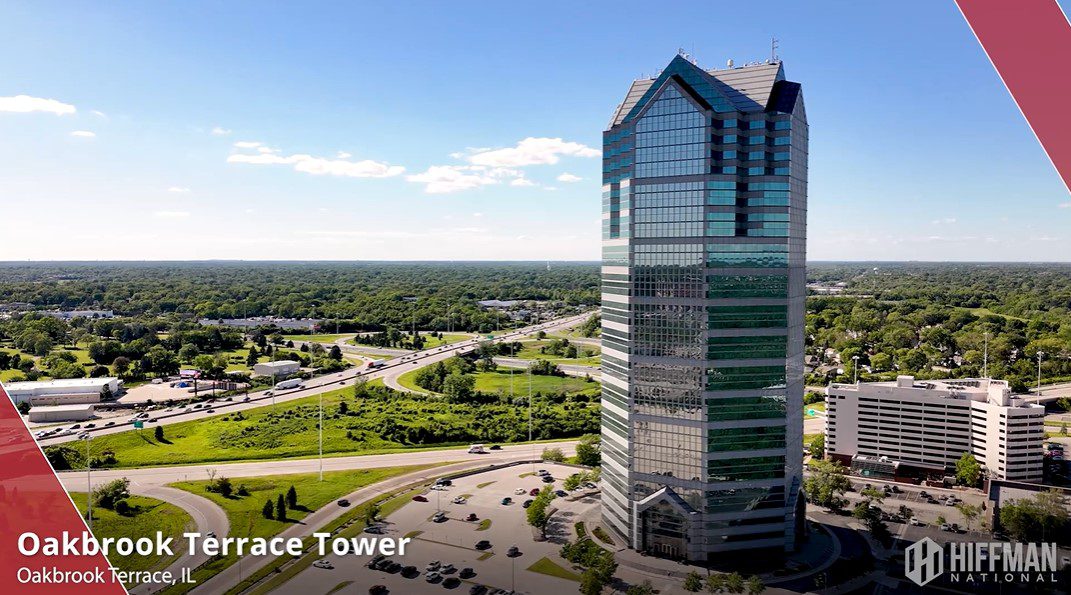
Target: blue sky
(398,132)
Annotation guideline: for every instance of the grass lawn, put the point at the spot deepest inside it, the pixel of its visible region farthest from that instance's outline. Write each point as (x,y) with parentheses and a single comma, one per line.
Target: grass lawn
(531,351)
(551,568)
(245,513)
(499,381)
(819,406)
(446,339)
(147,517)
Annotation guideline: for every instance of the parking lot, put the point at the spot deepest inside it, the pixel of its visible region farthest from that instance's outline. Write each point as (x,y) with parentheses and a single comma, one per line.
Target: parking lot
(455,540)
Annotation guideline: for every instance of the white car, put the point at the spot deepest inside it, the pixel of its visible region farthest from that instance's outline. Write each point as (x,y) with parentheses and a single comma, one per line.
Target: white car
(520,491)
(915,522)
(458,500)
(326,565)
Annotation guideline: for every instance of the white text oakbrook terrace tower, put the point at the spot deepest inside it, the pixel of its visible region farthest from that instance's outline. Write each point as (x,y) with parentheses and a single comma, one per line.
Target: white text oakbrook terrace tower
(703,287)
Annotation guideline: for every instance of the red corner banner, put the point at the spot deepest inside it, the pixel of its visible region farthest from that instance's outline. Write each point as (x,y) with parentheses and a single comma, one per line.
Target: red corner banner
(32,500)
(1028,42)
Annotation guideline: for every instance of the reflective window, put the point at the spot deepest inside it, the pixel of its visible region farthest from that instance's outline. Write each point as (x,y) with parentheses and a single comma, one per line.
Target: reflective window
(670,137)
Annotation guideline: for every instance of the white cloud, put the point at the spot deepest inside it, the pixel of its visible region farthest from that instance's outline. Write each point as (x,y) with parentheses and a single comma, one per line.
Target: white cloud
(99,114)
(220,131)
(83,134)
(522,182)
(444,179)
(1066,205)
(24,104)
(316,166)
(568,177)
(477,214)
(945,221)
(178,189)
(171,214)
(531,151)
(343,155)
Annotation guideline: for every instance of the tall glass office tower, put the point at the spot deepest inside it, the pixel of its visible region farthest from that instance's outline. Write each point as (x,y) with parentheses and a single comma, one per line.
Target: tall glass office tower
(703,286)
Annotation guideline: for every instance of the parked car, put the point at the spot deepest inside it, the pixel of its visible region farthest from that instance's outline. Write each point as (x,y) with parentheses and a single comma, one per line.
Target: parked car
(916,522)
(472,517)
(533,492)
(548,479)
(440,517)
(561,493)
(433,565)
(482,544)
(520,491)
(507,501)
(527,503)
(447,568)
(458,500)
(373,530)
(452,583)
(467,572)
(513,551)
(378,590)
(433,577)
(477,590)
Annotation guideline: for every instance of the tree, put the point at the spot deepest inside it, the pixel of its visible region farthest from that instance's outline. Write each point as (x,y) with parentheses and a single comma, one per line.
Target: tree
(335,353)
(693,582)
(108,494)
(553,454)
(734,583)
(755,586)
(221,486)
(280,508)
(827,484)
(458,386)
(187,352)
(121,365)
(537,512)
(644,588)
(24,407)
(1034,519)
(268,511)
(291,498)
(158,433)
(818,446)
(715,582)
(968,471)
(587,451)
(969,512)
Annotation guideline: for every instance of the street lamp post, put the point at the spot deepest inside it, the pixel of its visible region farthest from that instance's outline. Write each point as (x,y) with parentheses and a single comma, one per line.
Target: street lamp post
(321,436)
(985,357)
(1040,353)
(89,483)
(855,367)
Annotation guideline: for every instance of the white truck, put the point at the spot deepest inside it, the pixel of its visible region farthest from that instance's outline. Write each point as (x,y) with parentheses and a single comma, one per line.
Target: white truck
(290,383)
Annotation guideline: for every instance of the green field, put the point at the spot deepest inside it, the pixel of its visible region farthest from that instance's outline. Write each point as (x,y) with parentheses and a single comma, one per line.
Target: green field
(499,382)
(549,567)
(147,517)
(531,351)
(377,423)
(429,341)
(245,513)
(81,355)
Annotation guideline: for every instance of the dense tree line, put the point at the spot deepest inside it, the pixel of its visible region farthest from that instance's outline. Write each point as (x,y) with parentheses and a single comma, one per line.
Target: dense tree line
(360,296)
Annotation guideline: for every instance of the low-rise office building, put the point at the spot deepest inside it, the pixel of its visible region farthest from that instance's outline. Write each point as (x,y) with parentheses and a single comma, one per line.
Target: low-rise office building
(55,413)
(925,426)
(63,392)
(282,367)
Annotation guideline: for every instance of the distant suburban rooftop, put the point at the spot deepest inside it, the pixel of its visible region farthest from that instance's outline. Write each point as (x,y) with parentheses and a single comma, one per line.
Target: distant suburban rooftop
(279,363)
(64,383)
(65,408)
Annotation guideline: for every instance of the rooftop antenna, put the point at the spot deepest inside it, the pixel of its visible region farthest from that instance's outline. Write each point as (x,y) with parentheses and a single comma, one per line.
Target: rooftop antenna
(773,49)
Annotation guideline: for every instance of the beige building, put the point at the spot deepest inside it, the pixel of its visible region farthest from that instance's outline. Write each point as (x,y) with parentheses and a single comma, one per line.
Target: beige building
(931,423)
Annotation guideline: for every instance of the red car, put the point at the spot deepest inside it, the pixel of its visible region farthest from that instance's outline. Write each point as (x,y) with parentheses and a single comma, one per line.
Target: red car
(419,498)
(534,492)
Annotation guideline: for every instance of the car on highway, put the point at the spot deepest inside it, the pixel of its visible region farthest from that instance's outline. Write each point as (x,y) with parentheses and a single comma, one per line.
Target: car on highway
(343,502)
(322,563)
(419,498)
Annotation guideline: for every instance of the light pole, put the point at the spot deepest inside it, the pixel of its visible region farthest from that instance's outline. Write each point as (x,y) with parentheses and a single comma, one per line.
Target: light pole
(321,436)
(89,483)
(985,357)
(1040,353)
(855,367)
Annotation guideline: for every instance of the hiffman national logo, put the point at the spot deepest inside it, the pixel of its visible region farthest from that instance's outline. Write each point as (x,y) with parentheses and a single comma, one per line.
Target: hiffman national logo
(976,563)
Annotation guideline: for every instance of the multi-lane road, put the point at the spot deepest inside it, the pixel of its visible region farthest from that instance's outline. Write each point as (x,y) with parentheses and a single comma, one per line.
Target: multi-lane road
(389,371)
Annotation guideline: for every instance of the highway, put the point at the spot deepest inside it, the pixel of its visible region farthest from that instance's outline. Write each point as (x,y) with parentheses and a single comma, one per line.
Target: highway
(391,369)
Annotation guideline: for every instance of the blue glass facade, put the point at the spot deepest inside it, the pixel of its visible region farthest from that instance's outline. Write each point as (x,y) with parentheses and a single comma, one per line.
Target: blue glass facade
(704,237)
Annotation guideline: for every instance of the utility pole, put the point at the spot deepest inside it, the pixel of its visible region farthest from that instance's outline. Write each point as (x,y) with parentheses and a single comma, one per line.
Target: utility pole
(855,367)
(1040,353)
(321,436)
(985,357)
(89,484)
